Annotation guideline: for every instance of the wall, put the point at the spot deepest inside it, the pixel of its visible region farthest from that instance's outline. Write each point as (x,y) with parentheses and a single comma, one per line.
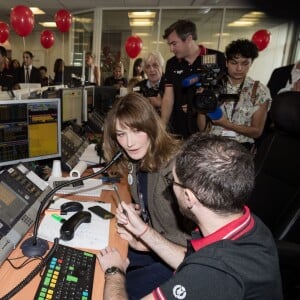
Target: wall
(42,56)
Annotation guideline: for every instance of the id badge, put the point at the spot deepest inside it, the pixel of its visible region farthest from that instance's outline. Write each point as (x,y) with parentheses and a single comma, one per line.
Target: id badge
(229,133)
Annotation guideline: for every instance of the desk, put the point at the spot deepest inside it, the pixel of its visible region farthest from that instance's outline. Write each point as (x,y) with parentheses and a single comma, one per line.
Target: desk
(10,277)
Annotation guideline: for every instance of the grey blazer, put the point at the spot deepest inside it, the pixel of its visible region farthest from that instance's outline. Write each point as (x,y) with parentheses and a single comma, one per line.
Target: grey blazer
(163,208)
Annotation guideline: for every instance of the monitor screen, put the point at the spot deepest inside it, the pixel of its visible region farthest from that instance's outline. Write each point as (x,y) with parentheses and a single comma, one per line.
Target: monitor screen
(88,101)
(104,98)
(30,130)
(72,76)
(72,105)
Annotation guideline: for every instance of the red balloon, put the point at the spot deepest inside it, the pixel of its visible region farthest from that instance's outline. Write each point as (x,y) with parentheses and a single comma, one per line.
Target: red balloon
(47,38)
(133,46)
(261,39)
(22,20)
(63,20)
(4,32)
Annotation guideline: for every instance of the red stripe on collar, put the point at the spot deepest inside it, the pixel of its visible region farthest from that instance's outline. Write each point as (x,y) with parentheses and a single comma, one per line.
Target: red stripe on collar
(231,231)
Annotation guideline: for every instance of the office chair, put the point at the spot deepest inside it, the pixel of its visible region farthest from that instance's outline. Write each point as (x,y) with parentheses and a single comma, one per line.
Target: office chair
(276,195)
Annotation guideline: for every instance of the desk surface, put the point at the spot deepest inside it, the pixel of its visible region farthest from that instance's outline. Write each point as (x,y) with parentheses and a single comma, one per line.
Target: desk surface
(10,277)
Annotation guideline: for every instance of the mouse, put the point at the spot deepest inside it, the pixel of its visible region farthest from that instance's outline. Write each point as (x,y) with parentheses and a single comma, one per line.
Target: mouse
(70,207)
(69,226)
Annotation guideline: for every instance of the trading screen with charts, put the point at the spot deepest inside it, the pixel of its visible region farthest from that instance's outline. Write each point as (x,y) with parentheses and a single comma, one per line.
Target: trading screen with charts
(29,130)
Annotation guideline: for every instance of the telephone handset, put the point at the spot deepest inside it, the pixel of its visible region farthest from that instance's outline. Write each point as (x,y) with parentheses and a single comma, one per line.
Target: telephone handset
(69,226)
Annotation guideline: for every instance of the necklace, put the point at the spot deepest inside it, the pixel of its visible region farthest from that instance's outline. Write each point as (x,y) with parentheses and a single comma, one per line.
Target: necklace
(130,171)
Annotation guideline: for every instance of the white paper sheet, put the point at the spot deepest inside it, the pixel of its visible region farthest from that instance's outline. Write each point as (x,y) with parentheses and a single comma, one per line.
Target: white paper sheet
(94,235)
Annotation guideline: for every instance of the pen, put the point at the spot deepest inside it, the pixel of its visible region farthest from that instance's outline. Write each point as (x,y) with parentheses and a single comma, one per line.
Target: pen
(119,199)
(58,218)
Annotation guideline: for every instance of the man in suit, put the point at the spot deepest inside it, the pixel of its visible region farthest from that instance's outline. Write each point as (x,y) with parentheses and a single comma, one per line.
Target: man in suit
(279,78)
(282,79)
(28,73)
(293,83)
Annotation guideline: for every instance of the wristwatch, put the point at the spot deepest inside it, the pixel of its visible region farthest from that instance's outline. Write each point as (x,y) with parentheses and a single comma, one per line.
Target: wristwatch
(113,270)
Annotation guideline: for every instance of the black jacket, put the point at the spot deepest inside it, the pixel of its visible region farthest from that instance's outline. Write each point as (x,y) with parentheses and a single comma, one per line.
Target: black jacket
(35,76)
(279,78)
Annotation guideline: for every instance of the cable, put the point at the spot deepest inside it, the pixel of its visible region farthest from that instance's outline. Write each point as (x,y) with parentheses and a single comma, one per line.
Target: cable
(31,275)
(53,191)
(27,261)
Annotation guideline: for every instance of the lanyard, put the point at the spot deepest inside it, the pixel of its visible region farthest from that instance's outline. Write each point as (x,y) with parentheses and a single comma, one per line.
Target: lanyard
(144,210)
(234,102)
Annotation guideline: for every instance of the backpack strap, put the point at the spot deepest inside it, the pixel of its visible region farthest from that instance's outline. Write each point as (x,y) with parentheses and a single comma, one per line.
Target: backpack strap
(254,89)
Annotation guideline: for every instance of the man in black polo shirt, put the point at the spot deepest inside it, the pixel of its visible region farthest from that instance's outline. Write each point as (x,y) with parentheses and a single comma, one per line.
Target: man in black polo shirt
(177,112)
(232,254)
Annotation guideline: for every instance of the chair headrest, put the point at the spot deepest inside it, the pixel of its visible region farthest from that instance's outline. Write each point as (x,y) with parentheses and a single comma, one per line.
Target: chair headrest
(285,112)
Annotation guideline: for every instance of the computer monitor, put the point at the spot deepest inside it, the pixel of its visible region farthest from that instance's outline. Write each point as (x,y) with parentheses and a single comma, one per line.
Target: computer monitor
(72,105)
(104,98)
(72,76)
(30,130)
(88,101)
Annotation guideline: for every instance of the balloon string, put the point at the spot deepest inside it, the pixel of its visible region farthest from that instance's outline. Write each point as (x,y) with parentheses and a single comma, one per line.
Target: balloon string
(47,56)
(63,56)
(24,43)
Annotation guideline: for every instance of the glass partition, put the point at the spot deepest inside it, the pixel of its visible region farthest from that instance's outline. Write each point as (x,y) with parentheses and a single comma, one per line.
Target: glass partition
(117,26)
(216,28)
(83,36)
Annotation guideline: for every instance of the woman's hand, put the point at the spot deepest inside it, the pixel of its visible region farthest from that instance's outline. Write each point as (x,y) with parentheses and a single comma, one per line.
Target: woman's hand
(132,240)
(130,218)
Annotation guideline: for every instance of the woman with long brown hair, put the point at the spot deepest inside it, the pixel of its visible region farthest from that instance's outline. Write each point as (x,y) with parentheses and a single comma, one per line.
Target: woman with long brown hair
(134,127)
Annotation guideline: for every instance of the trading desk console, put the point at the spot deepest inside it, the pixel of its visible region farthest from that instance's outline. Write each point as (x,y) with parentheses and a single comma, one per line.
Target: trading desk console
(22,192)
(12,277)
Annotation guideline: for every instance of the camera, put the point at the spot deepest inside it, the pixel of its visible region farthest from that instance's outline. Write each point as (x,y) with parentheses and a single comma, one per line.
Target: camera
(213,82)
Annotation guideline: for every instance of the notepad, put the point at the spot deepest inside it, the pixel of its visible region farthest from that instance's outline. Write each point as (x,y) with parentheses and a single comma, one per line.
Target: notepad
(90,155)
(94,235)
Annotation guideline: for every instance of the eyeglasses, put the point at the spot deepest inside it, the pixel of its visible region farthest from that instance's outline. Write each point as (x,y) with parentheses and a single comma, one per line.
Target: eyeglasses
(172,182)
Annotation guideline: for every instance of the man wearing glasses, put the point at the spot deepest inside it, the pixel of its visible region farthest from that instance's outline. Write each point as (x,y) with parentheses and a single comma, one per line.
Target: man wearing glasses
(232,254)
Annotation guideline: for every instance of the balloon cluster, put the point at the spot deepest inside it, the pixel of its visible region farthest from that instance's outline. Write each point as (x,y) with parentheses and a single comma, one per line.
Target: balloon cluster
(22,22)
(63,20)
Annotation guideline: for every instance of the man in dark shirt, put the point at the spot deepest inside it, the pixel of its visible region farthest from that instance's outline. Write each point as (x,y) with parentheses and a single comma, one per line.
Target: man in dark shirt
(232,254)
(177,110)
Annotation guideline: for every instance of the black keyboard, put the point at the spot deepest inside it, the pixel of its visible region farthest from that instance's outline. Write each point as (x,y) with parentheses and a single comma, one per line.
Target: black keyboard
(69,274)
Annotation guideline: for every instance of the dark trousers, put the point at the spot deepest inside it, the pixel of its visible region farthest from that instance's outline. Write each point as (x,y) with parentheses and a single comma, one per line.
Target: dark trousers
(145,272)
